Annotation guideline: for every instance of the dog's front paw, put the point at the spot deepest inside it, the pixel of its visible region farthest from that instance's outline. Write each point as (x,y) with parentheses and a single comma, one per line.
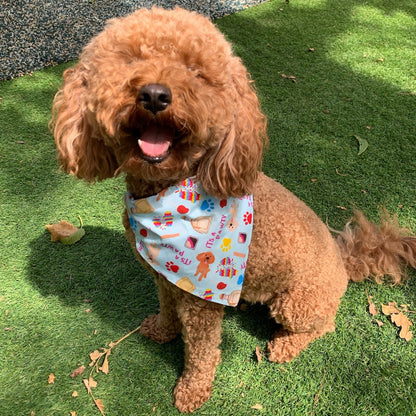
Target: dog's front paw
(154,329)
(191,393)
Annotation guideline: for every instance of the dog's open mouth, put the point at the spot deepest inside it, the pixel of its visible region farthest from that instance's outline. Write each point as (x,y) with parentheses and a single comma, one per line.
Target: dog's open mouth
(155,143)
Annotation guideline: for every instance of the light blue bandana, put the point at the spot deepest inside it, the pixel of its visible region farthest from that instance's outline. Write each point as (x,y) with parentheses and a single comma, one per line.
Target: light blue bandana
(197,242)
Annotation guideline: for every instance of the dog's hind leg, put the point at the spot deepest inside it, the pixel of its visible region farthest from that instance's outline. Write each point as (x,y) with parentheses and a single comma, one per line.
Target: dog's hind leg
(201,328)
(164,326)
(305,314)
(286,345)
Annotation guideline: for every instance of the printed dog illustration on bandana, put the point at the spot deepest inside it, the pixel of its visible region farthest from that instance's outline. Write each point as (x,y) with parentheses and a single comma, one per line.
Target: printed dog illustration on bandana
(197,242)
(205,259)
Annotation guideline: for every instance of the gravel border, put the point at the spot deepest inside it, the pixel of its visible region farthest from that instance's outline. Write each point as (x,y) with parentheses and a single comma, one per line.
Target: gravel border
(39,33)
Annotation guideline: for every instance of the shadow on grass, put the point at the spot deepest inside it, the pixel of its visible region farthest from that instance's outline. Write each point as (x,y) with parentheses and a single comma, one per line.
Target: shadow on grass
(101,272)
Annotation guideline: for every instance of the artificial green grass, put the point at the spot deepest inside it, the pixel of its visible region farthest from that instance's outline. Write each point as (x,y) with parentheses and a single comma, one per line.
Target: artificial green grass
(354,67)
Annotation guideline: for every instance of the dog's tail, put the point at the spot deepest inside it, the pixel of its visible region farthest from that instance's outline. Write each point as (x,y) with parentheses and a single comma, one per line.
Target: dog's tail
(376,251)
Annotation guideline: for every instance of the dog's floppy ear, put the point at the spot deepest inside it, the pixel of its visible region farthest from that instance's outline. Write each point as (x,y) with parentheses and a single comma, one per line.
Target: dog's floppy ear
(231,169)
(80,151)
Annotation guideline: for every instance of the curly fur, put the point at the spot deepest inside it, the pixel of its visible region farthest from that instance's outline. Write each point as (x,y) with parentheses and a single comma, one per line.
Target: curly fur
(295,266)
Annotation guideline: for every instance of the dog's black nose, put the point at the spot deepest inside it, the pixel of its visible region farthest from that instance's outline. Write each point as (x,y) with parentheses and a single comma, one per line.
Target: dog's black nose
(155,97)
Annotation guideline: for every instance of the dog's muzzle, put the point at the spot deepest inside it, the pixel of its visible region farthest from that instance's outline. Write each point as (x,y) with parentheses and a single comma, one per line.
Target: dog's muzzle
(155,97)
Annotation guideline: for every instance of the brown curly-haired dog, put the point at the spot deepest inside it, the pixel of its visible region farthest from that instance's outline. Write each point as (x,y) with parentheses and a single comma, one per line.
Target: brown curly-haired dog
(159,96)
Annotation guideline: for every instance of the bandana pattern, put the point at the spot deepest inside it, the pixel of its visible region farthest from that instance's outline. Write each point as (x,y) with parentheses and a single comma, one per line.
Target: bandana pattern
(197,242)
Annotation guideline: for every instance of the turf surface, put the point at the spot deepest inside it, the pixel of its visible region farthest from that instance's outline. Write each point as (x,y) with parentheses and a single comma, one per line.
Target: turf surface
(327,72)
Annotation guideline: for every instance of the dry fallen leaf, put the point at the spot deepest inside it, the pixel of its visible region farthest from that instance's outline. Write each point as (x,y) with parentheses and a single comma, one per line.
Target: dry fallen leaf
(75,394)
(78,371)
(405,307)
(51,378)
(371,306)
(73,413)
(399,319)
(373,309)
(402,321)
(257,406)
(65,232)
(94,356)
(258,354)
(89,384)
(104,367)
(100,405)
(390,308)
(92,383)
(289,77)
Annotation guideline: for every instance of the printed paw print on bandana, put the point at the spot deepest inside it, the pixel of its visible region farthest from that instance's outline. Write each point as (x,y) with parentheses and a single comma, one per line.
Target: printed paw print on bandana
(172,267)
(208,205)
(248,218)
(226,244)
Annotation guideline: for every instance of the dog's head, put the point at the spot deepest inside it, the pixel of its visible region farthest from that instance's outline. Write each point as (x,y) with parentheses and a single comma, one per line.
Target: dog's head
(160,96)
(206,257)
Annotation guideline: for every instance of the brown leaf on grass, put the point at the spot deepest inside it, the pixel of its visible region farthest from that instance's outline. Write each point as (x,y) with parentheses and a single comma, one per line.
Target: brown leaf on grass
(51,378)
(100,405)
(373,309)
(257,406)
(78,371)
(399,319)
(403,322)
(258,354)
(75,394)
(289,77)
(73,413)
(104,367)
(390,308)
(65,232)
(371,306)
(89,384)
(92,383)
(94,356)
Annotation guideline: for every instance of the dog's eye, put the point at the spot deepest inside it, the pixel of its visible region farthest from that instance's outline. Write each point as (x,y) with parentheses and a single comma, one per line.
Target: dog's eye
(195,71)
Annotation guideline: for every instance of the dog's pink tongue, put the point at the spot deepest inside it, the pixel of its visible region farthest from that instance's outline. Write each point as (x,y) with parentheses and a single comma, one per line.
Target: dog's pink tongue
(156,140)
